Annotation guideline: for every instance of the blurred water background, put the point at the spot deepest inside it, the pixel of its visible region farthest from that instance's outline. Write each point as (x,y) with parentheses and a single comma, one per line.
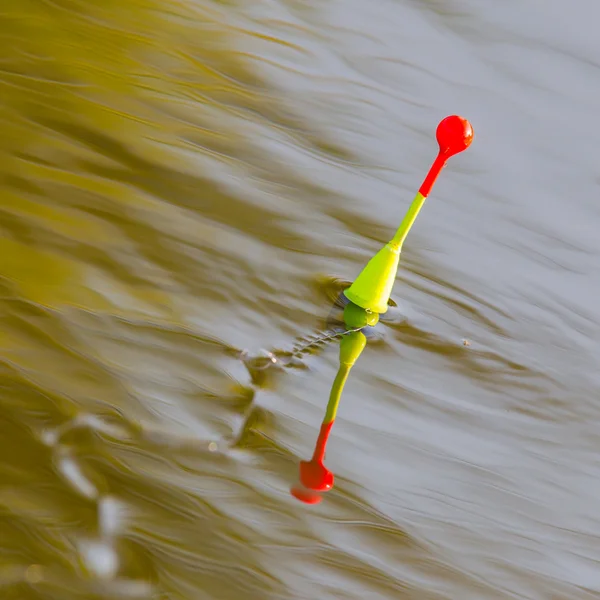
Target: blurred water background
(184,187)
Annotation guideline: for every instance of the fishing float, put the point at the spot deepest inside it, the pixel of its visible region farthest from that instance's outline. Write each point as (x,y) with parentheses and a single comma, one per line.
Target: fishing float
(372,289)
(368,297)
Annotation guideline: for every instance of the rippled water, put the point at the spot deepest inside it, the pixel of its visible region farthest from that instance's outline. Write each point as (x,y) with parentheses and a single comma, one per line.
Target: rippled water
(185,187)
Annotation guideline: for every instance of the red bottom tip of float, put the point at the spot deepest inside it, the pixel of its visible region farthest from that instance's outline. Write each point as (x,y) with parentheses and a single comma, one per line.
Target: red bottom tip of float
(304,495)
(314,475)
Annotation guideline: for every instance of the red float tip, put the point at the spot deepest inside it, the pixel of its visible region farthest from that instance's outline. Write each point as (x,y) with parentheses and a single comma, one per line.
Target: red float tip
(454,134)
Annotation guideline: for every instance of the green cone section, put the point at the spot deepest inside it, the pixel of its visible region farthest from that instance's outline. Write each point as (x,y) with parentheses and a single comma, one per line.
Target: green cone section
(372,289)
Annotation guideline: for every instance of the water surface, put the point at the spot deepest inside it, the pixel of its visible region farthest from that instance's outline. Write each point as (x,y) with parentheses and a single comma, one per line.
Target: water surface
(184,187)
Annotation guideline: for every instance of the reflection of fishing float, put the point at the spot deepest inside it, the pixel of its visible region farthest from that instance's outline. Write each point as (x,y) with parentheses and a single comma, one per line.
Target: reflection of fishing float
(369,297)
(314,475)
